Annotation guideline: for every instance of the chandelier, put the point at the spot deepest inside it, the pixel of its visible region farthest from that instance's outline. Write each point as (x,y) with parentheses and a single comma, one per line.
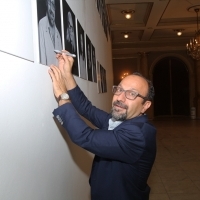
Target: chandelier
(193,48)
(124,75)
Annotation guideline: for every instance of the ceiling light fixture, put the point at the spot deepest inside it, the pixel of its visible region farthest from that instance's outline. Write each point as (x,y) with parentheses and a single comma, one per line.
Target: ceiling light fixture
(126,34)
(193,48)
(127,13)
(179,32)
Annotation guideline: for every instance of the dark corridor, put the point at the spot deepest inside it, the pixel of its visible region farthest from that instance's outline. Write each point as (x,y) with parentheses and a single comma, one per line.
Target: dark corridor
(171,82)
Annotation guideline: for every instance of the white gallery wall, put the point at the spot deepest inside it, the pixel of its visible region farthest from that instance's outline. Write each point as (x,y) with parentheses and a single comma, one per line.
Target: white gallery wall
(37,159)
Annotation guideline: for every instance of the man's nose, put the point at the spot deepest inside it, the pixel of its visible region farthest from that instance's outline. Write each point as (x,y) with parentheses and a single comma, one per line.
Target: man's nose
(122,97)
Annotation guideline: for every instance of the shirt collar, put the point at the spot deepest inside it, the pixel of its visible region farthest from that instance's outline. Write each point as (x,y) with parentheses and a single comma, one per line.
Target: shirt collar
(113,124)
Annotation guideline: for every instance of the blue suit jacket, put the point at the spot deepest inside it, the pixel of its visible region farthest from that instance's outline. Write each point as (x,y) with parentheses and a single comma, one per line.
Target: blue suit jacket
(123,156)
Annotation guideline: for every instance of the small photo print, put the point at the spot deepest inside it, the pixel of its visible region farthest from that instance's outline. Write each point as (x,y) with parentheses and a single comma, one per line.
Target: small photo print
(103,79)
(69,22)
(49,30)
(81,51)
(94,71)
(89,58)
(99,88)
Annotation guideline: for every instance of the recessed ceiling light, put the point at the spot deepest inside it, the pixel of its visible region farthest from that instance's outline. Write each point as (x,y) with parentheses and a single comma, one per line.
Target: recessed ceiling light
(127,13)
(179,31)
(126,34)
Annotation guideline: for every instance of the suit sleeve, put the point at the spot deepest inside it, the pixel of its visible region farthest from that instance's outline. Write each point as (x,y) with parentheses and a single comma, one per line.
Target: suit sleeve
(86,109)
(119,144)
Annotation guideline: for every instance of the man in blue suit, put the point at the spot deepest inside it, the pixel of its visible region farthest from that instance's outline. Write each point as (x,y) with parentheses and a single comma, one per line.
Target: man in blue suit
(124,142)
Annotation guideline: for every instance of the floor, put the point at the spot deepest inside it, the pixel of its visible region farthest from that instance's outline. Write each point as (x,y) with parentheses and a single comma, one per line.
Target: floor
(176,171)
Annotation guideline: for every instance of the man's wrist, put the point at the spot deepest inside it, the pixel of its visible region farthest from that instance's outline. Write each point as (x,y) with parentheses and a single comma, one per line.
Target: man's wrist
(63,101)
(63,96)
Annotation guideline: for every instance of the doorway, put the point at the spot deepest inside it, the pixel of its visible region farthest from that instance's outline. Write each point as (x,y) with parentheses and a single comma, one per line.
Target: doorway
(171,83)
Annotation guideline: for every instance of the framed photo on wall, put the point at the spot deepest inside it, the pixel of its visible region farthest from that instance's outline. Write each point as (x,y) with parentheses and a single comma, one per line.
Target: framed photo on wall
(104,80)
(49,30)
(89,58)
(99,88)
(101,79)
(81,51)
(101,7)
(94,71)
(102,75)
(69,26)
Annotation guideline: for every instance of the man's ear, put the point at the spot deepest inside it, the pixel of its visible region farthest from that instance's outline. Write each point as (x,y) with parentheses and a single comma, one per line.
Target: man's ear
(146,105)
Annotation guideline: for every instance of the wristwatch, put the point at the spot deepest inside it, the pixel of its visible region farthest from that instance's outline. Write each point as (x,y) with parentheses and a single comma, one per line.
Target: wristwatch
(63,96)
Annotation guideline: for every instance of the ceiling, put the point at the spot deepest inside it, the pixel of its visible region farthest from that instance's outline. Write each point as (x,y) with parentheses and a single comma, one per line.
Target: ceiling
(151,26)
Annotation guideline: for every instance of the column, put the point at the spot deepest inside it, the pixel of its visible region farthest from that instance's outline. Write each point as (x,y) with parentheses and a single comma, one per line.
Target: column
(144,70)
(144,64)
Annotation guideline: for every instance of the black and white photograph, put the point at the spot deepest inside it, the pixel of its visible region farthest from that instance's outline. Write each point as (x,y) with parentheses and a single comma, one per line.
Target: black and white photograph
(105,25)
(103,79)
(49,30)
(99,88)
(97,5)
(69,21)
(94,72)
(101,7)
(89,58)
(81,51)
(103,74)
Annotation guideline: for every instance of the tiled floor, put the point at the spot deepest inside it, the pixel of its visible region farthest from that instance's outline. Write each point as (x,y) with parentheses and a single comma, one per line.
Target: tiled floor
(176,172)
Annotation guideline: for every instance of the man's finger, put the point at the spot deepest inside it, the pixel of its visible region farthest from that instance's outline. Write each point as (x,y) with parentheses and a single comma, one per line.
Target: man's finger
(51,75)
(68,60)
(65,57)
(56,72)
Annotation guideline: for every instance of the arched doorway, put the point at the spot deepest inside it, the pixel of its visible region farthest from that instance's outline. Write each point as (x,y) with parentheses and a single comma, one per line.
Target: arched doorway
(171,82)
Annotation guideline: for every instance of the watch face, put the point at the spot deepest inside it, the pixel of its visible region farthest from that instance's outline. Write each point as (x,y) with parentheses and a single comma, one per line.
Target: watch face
(64,96)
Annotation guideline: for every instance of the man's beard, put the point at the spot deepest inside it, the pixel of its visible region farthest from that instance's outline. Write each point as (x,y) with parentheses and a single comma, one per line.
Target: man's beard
(116,115)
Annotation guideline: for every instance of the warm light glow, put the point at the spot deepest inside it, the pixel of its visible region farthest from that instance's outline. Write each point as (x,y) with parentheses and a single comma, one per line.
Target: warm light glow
(179,33)
(193,47)
(128,16)
(127,13)
(125,35)
(124,75)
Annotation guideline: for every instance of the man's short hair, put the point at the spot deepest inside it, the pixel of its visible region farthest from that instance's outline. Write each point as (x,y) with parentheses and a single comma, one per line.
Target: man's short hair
(151,91)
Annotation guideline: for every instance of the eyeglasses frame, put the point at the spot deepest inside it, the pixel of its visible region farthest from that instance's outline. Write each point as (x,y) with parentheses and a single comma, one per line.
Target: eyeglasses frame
(138,95)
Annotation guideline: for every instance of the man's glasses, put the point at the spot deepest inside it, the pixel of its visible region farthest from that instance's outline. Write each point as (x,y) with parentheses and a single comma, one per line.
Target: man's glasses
(129,94)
